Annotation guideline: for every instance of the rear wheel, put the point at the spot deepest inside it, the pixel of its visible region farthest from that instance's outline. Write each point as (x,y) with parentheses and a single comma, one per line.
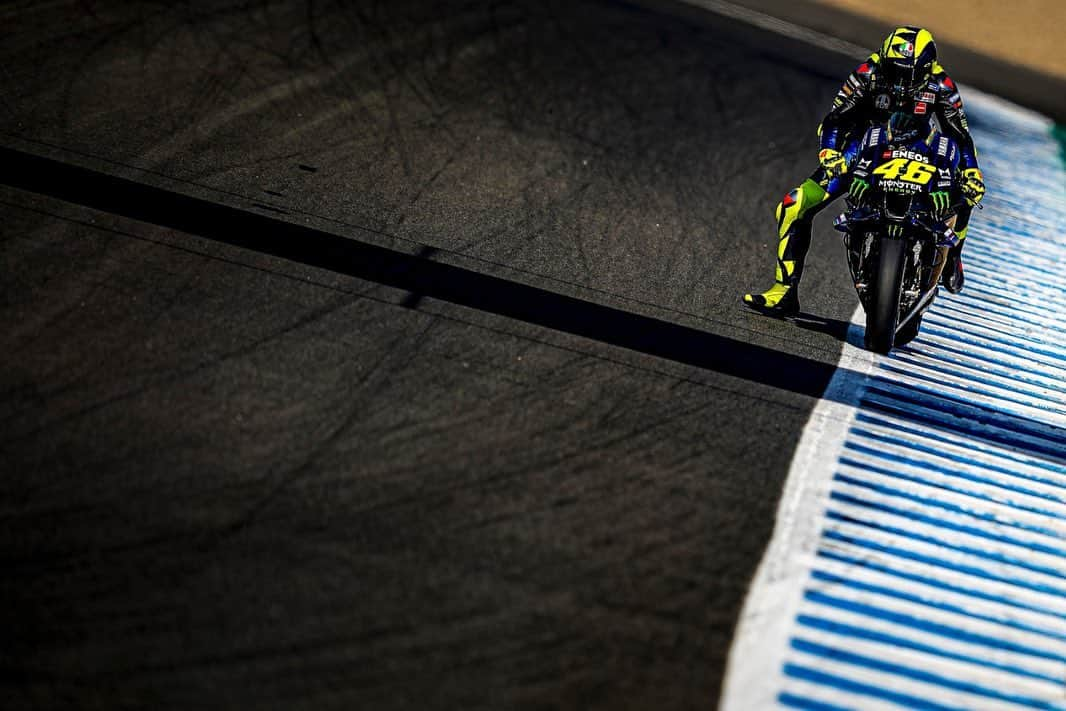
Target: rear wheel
(883,312)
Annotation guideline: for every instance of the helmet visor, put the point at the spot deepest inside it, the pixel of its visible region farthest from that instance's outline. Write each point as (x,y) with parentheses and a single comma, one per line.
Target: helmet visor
(905,128)
(903,78)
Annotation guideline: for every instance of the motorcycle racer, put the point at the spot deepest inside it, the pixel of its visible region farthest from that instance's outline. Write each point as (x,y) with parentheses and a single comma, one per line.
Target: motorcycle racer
(903,75)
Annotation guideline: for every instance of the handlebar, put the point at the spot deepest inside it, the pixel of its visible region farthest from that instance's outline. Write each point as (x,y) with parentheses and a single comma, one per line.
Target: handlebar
(861,215)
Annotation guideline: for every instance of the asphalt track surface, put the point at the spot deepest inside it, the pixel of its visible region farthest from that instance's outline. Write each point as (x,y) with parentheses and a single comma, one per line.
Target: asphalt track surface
(390,355)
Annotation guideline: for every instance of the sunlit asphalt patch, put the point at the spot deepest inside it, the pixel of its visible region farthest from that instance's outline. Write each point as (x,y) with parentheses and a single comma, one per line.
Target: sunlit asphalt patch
(919,558)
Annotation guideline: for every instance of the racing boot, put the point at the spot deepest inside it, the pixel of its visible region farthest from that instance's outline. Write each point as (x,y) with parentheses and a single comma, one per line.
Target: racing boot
(780,300)
(953,278)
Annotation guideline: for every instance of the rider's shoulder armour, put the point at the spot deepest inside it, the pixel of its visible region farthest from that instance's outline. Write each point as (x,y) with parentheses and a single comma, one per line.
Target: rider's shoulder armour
(945,86)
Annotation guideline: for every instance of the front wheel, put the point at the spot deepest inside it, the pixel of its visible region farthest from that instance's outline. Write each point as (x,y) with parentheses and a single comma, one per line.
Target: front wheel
(909,332)
(882,313)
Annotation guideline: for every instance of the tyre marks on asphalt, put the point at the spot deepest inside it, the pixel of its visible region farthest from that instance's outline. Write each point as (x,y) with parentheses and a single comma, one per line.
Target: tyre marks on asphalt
(414,273)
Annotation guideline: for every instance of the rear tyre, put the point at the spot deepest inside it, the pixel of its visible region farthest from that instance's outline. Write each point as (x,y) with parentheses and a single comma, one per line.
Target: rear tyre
(883,313)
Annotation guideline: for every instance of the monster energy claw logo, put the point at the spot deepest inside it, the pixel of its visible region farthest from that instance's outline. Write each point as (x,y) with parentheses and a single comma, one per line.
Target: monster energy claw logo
(941,201)
(858,188)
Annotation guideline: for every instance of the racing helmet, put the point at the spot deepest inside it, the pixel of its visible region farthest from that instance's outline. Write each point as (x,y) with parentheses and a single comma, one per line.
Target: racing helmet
(907,58)
(904,128)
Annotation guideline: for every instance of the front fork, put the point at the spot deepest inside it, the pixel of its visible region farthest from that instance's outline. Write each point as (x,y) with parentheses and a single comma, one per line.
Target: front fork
(861,250)
(862,256)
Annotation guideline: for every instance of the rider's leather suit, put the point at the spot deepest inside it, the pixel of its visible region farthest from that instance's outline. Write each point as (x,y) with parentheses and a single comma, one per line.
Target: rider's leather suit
(865,99)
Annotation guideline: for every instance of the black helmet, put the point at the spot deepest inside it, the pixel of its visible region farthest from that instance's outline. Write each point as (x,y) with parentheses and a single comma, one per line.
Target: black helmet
(904,128)
(907,58)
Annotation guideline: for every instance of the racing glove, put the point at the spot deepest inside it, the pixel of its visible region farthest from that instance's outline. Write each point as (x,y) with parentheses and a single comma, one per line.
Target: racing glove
(973,185)
(857,190)
(947,238)
(833,162)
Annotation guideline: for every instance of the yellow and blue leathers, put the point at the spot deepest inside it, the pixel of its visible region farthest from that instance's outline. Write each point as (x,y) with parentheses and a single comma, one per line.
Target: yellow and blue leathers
(871,93)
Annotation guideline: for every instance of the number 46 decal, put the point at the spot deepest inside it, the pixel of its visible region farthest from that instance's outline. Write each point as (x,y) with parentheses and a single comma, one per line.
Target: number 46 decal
(909,171)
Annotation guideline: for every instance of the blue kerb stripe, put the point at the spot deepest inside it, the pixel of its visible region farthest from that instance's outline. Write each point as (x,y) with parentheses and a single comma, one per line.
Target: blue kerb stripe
(940,428)
(845,630)
(991,418)
(1033,294)
(841,581)
(1033,400)
(1044,307)
(962,313)
(978,375)
(935,628)
(994,259)
(1000,436)
(1008,344)
(945,505)
(943,350)
(988,325)
(938,583)
(840,655)
(925,401)
(1020,367)
(1032,396)
(938,453)
(995,451)
(943,563)
(945,400)
(982,293)
(1010,325)
(1015,235)
(916,479)
(854,687)
(985,305)
(1017,316)
(991,260)
(929,466)
(802,702)
(986,262)
(947,525)
(984,373)
(1006,347)
(1003,558)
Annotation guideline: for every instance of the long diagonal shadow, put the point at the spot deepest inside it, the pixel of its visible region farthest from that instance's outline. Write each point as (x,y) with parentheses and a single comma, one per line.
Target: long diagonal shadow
(417,274)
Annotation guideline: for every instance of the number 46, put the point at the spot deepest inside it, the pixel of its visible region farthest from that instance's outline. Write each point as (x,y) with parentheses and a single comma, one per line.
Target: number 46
(918,173)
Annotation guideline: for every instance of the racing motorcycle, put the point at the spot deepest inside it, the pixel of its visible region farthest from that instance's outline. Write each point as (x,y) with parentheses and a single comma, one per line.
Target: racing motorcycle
(896,247)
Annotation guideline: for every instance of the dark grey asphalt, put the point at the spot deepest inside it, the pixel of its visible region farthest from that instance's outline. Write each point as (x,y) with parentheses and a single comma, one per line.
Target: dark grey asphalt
(389,355)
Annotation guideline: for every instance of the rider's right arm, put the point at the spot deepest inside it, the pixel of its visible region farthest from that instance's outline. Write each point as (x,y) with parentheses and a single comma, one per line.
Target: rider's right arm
(946,159)
(846,114)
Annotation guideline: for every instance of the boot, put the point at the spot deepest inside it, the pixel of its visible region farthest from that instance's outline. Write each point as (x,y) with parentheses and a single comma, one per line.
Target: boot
(780,300)
(953,278)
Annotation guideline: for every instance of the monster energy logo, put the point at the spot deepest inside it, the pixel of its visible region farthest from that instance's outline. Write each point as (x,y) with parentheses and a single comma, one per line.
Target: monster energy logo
(895,230)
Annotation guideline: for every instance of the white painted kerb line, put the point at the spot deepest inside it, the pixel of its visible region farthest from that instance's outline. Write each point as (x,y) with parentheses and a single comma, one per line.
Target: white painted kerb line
(919,558)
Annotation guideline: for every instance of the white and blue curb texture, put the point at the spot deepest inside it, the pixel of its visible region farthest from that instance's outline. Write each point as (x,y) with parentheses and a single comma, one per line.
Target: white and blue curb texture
(919,558)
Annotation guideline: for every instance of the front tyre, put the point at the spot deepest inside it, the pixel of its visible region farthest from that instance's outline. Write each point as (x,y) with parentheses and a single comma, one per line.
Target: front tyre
(883,312)
(909,332)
